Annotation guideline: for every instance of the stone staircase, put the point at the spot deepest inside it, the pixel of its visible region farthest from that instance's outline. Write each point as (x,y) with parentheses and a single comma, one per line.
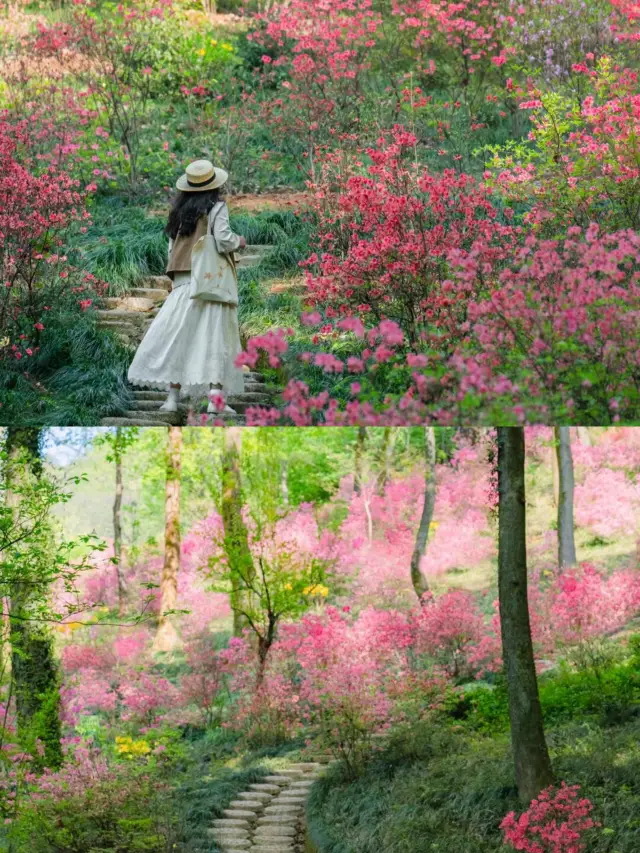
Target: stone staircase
(130,315)
(145,410)
(269,816)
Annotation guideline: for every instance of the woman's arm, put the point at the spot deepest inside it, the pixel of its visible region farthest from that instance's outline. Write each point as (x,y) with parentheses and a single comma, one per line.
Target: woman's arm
(226,239)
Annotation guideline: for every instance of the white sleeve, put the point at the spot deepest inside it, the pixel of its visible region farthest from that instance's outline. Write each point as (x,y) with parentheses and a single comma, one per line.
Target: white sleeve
(170,247)
(226,240)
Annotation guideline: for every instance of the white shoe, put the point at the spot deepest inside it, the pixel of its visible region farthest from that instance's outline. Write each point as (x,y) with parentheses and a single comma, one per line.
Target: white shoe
(211,410)
(171,403)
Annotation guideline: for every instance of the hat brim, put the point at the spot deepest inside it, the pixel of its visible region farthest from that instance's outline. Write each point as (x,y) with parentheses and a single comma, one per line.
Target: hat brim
(221,177)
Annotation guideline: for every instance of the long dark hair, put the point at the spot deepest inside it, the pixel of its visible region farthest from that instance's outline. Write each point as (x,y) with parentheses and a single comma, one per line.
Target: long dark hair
(187,209)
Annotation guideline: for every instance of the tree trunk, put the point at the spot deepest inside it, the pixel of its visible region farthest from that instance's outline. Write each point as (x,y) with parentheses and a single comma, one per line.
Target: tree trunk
(531,758)
(566,536)
(167,638)
(236,535)
(361,442)
(584,436)
(418,579)
(34,670)
(385,460)
(555,474)
(117,522)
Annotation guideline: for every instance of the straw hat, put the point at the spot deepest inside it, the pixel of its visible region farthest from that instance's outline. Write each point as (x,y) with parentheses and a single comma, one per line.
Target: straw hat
(201,176)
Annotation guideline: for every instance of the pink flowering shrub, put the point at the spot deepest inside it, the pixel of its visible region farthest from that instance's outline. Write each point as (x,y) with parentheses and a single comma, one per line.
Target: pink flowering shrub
(558,821)
(38,207)
(584,167)
(205,684)
(447,629)
(559,323)
(585,606)
(388,238)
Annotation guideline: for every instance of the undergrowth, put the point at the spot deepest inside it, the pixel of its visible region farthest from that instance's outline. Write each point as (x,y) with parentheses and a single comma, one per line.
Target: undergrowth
(77,377)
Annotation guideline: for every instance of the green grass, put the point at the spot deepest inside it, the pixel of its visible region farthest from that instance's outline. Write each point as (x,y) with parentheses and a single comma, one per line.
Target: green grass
(443,792)
(122,246)
(77,377)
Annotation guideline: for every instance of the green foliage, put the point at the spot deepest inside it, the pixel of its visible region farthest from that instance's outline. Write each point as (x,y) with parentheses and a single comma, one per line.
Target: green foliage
(447,793)
(77,377)
(123,814)
(122,246)
(608,696)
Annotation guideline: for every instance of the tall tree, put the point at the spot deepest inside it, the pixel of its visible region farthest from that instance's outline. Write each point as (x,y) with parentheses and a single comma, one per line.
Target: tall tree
(566,534)
(358,469)
(118,443)
(34,671)
(167,638)
(418,579)
(531,757)
(385,457)
(236,535)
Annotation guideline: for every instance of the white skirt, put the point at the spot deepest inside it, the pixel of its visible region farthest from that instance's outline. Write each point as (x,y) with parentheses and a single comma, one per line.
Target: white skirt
(191,343)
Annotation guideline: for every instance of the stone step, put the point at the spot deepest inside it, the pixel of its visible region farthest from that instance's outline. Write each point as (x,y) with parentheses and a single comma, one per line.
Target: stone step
(281,847)
(224,832)
(155,294)
(276,831)
(230,822)
(231,844)
(122,315)
(265,787)
(291,809)
(156,282)
(156,417)
(248,261)
(254,805)
(276,820)
(160,396)
(278,780)
(135,304)
(256,796)
(241,812)
(131,422)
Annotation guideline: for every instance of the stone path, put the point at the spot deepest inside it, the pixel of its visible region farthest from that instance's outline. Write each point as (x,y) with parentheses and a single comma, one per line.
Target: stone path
(129,316)
(269,816)
(145,410)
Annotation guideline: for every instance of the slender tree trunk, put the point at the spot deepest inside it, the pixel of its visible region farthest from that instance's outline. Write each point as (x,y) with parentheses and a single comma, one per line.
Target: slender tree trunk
(361,442)
(566,534)
(236,535)
(584,436)
(385,460)
(555,474)
(34,670)
(531,757)
(418,579)
(167,638)
(117,523)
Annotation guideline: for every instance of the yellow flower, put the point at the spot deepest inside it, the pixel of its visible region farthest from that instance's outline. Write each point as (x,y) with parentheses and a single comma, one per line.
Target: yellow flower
(434,525)
(226,46)
(69,627)
(288,586)
(201,52)
(316,589)
(214,42)
(130,747)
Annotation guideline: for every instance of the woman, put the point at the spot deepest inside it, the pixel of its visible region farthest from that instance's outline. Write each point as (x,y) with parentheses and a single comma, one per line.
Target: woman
(193,344)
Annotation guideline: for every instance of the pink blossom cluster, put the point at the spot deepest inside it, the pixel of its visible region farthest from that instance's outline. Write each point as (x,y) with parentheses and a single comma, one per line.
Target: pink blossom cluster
(557,821)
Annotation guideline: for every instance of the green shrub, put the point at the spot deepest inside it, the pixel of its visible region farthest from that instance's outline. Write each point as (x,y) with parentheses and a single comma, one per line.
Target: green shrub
(452,798)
